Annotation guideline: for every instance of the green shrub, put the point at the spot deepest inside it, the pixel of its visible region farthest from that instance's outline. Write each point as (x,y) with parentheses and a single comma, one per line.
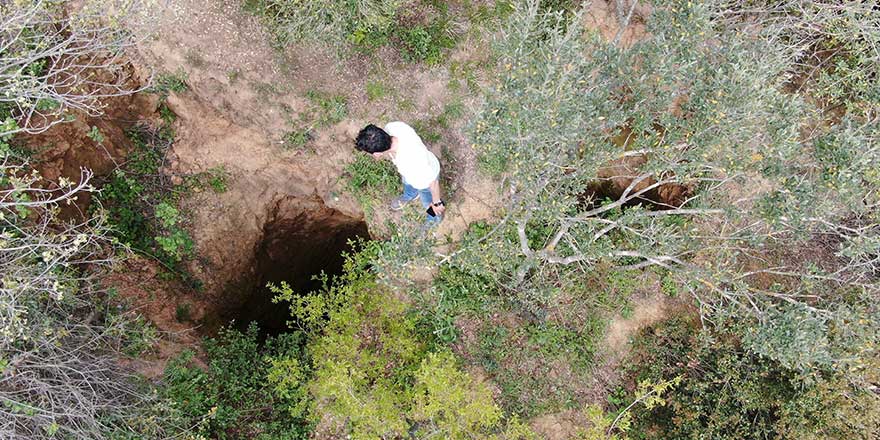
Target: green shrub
(174,242)
(426,44)
(166,83)
(729,393)
(142,207)
(121,198)
(837,63)
(182,312)
(237,396)
(371,367)
(456,292)
(370,180)
(484,16)
(450,400)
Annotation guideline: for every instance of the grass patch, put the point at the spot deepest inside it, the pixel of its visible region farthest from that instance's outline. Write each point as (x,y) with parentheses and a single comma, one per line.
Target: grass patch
(166,83)
(324,109)
(296,139)
(464,74)
(327,109)
(266,90)
(431,129)
(483,16)
(541,367)
(454,293)
(216,178)
(370,180)
(376,90)
(422,32)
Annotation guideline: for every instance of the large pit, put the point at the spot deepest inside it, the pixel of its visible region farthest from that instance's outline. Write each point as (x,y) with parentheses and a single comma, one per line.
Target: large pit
(300,239)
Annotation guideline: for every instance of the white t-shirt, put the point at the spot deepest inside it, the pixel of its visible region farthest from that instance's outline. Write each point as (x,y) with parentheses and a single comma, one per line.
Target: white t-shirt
(418,166)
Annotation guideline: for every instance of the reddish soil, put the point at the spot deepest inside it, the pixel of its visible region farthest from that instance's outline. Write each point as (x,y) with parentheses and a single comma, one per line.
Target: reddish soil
(65,148)
(172,307)
(605,17)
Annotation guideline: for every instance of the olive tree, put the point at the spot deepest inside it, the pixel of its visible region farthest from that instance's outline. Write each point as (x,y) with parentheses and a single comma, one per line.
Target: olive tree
(775,207)
(56,57)
(60,340)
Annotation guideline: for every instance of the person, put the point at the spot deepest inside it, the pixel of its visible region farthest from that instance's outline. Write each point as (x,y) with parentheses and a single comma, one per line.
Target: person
(418,167)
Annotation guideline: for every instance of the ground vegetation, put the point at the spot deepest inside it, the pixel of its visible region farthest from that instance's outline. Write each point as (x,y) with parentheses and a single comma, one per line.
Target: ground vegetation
(720,163)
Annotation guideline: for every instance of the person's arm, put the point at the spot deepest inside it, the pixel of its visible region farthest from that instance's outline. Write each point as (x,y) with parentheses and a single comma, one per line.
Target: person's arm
(435,196)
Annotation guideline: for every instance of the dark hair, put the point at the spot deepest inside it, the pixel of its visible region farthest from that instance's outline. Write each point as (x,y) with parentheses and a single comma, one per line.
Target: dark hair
(373,139)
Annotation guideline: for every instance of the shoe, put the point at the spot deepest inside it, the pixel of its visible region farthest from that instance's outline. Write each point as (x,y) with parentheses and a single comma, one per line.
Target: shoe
(398,203)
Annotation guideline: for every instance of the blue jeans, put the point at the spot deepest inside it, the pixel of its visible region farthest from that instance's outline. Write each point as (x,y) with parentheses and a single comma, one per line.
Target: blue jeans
(410,193)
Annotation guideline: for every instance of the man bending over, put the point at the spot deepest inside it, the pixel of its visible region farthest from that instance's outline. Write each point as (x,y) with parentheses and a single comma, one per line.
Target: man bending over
(419,169)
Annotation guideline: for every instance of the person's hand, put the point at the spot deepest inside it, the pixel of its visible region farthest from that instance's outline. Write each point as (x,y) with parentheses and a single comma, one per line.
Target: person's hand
(439,210)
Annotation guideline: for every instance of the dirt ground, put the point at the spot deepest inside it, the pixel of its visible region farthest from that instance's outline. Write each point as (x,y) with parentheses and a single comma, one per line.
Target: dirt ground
(172,307)
(602,17)
(243,95)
